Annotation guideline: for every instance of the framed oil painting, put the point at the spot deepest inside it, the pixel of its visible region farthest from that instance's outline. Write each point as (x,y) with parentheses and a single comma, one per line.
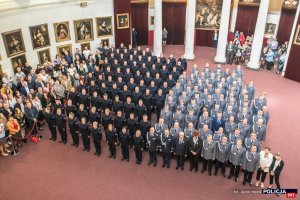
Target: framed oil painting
(270,29)
(39,36)
(208,14)
(14,42)
(249,2)
(297,36)
(44,56)
(123,21)
(83,30)
(105,42)
(18,61)
(62,31)
(104,26)
(63,48)
(83,45)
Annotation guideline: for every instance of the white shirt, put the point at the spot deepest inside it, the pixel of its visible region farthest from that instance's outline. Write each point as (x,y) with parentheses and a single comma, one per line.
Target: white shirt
(277,162)
(265,161)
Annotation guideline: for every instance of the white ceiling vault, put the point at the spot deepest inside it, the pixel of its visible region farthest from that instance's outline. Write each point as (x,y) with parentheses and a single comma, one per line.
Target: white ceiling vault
(11,5)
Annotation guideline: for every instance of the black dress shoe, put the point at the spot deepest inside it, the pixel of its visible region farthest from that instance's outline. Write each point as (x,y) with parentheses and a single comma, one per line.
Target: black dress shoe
(155,164)
(122,159)
(114,156)
(72,144)
(137,162)
(54,139)
(191,169)
(224,175)
(244,183)
(229,177)
(88,150)
(215,173)
(76,145)
(84,149)
(127,160)
(182,168)
(177,168)
(95,153)
(168,166)
(202,171)
(236,179)
(251,184)
(196,170)
(110,156)
(163,166)
(60,141)
(209,173)
(99,154)
(149,163)
(65,142)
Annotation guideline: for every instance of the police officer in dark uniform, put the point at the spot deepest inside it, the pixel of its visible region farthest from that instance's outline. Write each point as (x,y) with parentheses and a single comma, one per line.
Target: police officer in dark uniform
(128,107)
(148,102)
(84,99)
(119,123)
(57,105)
(60,120)
(140,109)
(117,104)
(50,119)
(96,101)
(70,107)
(166,143)
(97,138)
(85,131)
(124,140)
(159,103)
(138,143)
(132,124)
(111,136)
(73,126)
(94,116)
(144,127)
(152,143)
(107,118)
(82,112)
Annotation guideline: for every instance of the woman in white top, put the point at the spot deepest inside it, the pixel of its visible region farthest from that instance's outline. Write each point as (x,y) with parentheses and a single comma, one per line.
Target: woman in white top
(265,162)
(36,102)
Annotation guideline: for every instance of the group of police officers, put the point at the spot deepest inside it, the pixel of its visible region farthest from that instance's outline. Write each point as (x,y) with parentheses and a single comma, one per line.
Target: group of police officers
(206,116)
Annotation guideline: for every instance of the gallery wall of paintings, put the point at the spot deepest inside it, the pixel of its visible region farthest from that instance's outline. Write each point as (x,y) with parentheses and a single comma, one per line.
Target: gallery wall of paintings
(40,35)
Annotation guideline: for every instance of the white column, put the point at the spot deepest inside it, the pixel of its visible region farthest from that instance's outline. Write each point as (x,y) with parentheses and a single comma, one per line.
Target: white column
(258,35)
(234,13)
(190,30)
(291,39)
(157,47)
(223,33)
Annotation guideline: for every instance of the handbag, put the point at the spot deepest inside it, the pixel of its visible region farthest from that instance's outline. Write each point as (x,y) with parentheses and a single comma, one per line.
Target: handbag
(34,139)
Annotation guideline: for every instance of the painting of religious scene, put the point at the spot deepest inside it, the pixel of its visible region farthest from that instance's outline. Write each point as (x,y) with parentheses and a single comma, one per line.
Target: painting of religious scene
(44,56)
(13,42)
(62,31)
(104,26)
(123,20)
(208,14)
(83,30)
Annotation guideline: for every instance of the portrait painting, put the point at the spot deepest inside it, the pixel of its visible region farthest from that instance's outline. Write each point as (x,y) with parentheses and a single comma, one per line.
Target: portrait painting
(297,36)
(83,45)
(291,4)
(14,42)
(105,42)
(39,36)
(44,56)
(83,30)
(62,31)
(208,14)
(123,21)
(63,48)
(18,61)
(104,26)
(270,29)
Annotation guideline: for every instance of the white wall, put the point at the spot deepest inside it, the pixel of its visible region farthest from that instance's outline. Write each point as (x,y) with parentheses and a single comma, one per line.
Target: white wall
(51,14)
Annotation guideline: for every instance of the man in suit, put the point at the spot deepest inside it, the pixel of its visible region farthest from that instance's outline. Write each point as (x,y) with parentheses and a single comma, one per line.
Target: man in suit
(208,154)
(195,147)
(152,142)
(230,52)
(31,115)
(218,122)
(180,150)
(250,164)
(276,169)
